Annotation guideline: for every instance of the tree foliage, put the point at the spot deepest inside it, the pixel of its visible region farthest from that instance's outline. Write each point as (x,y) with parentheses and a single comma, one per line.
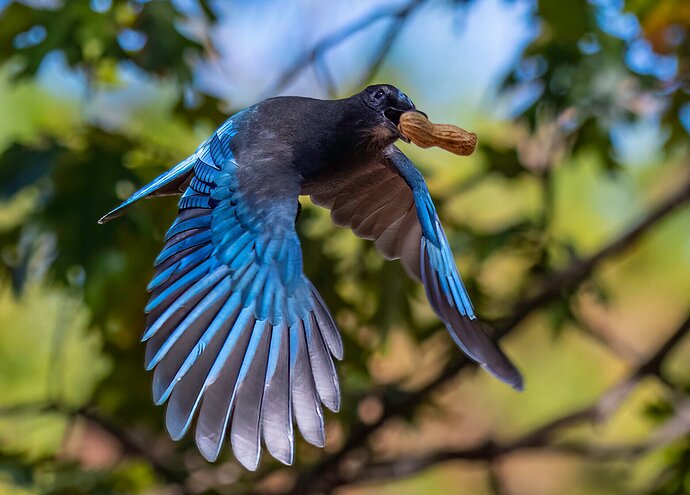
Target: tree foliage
(547,203)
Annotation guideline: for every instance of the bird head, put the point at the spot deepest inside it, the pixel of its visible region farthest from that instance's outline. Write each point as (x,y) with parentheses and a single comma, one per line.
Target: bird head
(384,104)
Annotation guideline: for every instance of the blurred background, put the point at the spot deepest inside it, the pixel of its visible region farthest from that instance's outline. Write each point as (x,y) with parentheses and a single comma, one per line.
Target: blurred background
(570,224)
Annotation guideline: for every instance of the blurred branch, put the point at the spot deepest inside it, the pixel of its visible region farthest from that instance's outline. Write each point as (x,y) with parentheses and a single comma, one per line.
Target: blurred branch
(134,447)
(387,42)
(323,74)
(608,403)
(324,475)
(496,480)
(409,466)
(129,443)
(206,41)
(615,345)
(399,16)
(561,282)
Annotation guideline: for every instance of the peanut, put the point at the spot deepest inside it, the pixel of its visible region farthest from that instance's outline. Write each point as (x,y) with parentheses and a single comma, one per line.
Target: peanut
(418,129)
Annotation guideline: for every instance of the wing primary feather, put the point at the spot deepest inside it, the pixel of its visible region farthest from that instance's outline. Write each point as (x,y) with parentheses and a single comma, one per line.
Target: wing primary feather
(202,284)
(276,410)
(174,176)
(193,318)
(187,394)
(190,344)
(179,285)
(217,403)
(201,221)
(323,369)
(181,267)
(327,325)
(455,297)
(305,401)
(245,435)
(202,237)
(465,331)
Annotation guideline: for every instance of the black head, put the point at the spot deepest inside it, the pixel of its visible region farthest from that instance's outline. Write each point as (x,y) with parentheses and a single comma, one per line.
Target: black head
(388,103)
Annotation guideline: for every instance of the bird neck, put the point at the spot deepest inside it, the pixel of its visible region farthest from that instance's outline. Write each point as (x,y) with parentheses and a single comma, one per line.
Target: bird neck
(363,135)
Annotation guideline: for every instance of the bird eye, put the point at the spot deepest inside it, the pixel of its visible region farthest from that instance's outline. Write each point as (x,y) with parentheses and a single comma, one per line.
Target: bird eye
(379,94)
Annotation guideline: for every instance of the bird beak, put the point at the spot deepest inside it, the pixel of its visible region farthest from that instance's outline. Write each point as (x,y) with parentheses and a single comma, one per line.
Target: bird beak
(392,114)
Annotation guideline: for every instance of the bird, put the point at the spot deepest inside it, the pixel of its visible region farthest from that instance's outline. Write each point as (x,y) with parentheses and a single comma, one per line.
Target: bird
(237,336)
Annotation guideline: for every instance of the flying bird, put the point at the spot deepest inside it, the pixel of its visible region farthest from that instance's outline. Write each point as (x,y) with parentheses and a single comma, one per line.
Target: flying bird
(236,334)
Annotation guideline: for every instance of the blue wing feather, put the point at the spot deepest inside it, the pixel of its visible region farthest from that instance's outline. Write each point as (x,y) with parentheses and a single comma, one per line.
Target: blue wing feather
(187,394)
(202,237)
(235,329)
(180,267)
(217,402)
(202,221)
(200,308)
(198,273)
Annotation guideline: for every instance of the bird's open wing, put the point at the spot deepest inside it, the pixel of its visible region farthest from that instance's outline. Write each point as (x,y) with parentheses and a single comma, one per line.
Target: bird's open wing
(236,334)
(388,202)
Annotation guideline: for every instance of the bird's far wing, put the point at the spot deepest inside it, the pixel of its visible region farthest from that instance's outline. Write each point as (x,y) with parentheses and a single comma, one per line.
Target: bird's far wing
(173,181)
(388,202)
(236,334)
(177,179)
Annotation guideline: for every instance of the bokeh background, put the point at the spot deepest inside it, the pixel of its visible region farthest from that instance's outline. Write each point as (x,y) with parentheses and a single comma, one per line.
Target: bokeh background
(570,224)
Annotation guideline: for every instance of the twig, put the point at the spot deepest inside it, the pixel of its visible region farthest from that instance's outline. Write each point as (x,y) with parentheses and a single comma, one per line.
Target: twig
(310,56)
(488,451)
(498,487)
(206,42)
(387,42)
(324,474)
(616,346)
(654,362)
(132,446)
(325,78)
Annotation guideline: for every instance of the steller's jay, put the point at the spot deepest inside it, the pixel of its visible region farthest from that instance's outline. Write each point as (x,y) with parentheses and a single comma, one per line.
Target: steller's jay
(236,334)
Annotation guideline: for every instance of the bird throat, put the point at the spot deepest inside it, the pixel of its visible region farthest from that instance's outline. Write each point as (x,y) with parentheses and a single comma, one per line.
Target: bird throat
(380,136)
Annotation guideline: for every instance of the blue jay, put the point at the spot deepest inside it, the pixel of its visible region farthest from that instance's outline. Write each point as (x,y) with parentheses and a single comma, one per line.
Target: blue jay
(237,335)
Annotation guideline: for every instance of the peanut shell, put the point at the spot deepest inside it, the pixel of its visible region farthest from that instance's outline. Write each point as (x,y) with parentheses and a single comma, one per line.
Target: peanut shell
(424,133)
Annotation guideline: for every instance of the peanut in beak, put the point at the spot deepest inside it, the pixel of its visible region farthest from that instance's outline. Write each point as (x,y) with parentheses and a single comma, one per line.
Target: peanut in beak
(424,133)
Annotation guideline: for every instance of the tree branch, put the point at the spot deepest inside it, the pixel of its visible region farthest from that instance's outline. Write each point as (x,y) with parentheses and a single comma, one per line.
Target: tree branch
(134,447)
(323,476)
(325,78)
(618,348)
(540,438)
(577,272)
(387,42)
(487,452)
(398,14)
